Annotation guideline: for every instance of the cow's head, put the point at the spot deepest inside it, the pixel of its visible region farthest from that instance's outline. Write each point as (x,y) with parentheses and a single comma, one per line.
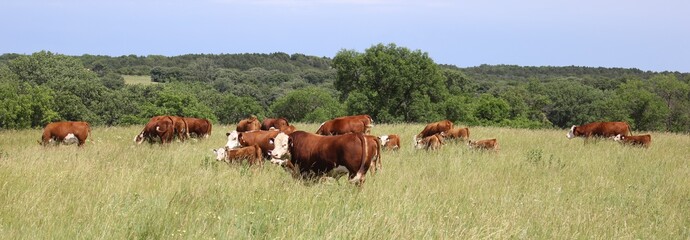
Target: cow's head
(139,138)
(220,154)
(384,139)
(571,133)
(281,148)
(618,137)
(233,140)
(70,139)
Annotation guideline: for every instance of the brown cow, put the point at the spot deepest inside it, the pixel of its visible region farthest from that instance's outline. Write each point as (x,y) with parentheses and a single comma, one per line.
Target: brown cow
(243,139)
(163,128)
(179,124)
(248,124)
(66,132)
(200,127)
(432,142)
(434,128)
(457,133)
(277,123)
(390,142)
(343,125)
(639,140)
(250,153)
(288,129)
(308,155)
(365,119)
(374,151)
(486,144)
(599,129)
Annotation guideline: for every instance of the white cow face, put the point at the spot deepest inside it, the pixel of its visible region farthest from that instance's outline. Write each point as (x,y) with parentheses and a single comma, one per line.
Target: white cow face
(280,150)
(571,133)
(384,139)
(139,138)
(618,138)
(70,139)
(220,154)
(233,140)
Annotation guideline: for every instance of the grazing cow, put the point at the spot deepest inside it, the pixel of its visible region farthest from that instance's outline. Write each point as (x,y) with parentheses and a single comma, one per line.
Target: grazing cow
(163,128)
(179,124)
(248,124)
(599,129)
(639,140)
(374,151)
(457,133)
(390,142)
(200,127)
(434,128)
(308,155)
(365,119)
(486,144)
(343,125)
(242,139)
(250,153)
(66,132)
(277,123)
(432,142)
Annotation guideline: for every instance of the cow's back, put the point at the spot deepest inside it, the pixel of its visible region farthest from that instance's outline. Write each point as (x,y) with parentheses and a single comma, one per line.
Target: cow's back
(312,152)
(260,138)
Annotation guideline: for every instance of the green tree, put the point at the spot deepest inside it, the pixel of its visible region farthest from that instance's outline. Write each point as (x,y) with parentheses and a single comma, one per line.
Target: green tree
(647,110)
(491,110)
(307,105)
(394,81)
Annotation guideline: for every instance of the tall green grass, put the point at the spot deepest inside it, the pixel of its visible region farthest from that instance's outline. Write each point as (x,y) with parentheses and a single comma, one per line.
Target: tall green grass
(539,185)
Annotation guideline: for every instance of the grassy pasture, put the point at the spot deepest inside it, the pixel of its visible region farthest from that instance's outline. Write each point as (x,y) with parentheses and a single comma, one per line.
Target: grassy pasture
(136,79)
(539,185)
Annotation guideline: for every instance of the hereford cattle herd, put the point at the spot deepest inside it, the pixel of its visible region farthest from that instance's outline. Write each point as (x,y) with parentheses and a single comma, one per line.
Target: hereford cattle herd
(339,146)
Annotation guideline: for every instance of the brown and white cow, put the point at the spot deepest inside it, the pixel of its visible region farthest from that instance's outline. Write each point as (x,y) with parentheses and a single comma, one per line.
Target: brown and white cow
(66,132)
(277,123)
(308,155)
(486,144)
(434,128)
(599,129)
(288,129)
(374,151)
(242,139)
(457,133)
(162,128)
(252,154)
(343,125)
(390,142)
(432,142)
(199,127)
(248,124)
(639,140)
(179,124)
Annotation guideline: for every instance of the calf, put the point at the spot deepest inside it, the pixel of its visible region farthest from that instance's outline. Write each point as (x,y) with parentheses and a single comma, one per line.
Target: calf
(457,133)
(249,124)
(639,140)
(486,144)
(251,153)
(434,128)
(66,132)
(390,142)
(244,139)
(432,142)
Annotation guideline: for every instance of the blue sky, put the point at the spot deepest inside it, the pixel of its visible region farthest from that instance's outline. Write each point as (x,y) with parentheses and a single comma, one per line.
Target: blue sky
(648,35)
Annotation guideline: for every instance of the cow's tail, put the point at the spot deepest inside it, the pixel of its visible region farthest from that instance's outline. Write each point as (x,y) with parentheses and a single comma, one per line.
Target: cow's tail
(363,167)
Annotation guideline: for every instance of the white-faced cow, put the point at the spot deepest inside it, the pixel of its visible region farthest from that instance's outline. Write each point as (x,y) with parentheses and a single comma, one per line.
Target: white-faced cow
(390,142)
(66,132)
(308,155)
(252,154)
(639,140)
(244,139)
(599,129)
(161,129)
(433,128)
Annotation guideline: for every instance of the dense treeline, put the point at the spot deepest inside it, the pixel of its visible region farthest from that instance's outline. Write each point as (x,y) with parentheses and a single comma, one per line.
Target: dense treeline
(391,83)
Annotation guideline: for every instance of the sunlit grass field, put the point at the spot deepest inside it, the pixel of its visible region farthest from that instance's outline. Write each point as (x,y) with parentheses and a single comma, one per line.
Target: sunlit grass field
(135,79)
(539,185)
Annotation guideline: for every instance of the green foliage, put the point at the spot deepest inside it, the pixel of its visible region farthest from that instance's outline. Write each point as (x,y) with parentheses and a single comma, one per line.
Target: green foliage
(307,105)
(459,109)
(113,81)
(491,110)
(231,109)
(394,81)
(24,105)
(646,109)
